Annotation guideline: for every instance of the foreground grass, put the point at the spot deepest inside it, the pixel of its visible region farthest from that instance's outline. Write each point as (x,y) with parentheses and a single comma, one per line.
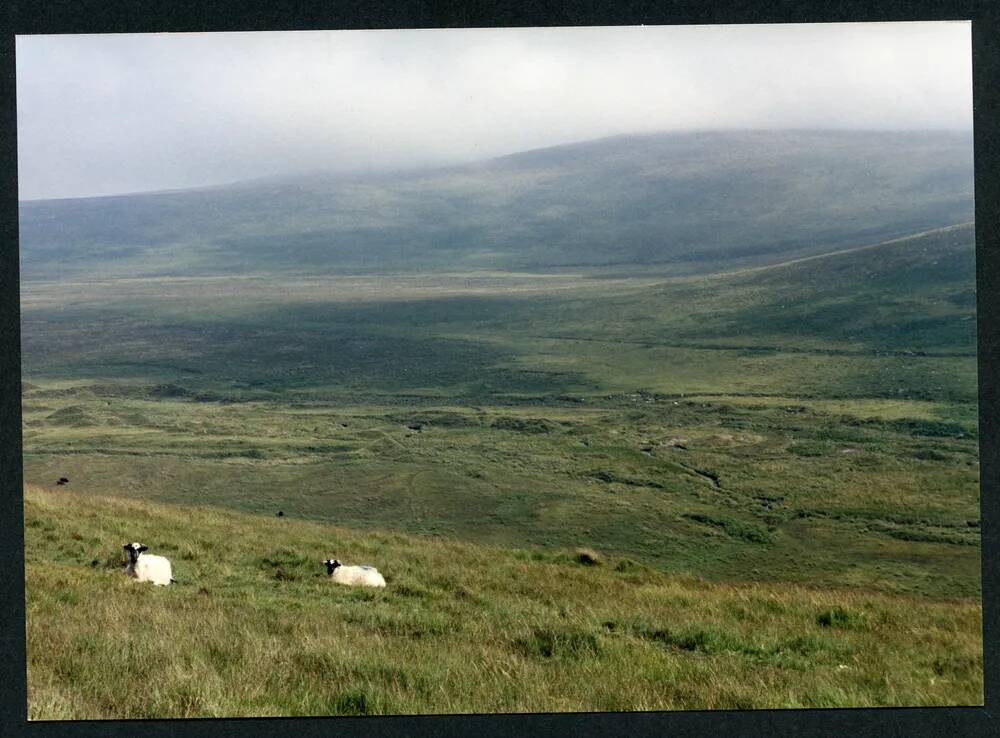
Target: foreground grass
(254,629)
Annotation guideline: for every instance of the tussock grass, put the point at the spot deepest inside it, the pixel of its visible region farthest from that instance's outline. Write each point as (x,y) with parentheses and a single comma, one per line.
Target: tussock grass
(459,628)
(838,617)
(588,557)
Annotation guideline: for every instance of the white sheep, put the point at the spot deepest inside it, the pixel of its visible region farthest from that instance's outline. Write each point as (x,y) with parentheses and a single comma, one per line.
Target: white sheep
(147,567)
(360,576)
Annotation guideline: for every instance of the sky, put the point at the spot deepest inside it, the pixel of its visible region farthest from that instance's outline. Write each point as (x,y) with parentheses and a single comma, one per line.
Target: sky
(109,114)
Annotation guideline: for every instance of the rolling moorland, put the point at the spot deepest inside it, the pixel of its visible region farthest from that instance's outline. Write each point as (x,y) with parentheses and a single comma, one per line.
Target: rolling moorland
(677,203)
(758,438)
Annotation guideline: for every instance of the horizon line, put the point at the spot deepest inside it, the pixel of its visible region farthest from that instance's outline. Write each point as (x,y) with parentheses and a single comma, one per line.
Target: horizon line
(448,165)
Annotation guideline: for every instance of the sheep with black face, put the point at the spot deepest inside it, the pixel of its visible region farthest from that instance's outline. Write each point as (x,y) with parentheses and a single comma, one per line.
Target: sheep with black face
(147,567)
(358,576)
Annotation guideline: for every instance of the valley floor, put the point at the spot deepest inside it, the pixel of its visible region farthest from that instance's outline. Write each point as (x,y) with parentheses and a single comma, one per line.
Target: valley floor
(881,495)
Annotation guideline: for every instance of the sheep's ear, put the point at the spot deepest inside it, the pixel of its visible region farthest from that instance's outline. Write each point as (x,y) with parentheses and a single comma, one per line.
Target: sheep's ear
(143,548)
(127,546)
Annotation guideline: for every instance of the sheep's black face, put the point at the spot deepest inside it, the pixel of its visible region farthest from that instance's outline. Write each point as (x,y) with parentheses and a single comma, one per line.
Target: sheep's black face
(133,550)
(331,564)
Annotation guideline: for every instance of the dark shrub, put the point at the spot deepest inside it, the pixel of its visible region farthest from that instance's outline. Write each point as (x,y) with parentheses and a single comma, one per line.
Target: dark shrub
(587,557)
(928,454)
(565,642)
(838,617)
(354,702)
(523,425)
(808,448)
(628,566)
(934,428)
(169,390)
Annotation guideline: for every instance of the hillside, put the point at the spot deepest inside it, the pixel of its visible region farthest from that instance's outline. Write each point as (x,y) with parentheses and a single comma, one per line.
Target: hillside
(252,628)
(895,320)
(680,203)
(810,422)
(741,367)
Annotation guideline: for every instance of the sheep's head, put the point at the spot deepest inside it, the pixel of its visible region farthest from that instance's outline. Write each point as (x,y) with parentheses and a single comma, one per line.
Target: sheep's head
(331,564)
(133,550)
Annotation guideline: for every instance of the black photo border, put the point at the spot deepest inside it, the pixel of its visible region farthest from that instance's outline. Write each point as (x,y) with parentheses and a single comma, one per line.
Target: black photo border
(143,16)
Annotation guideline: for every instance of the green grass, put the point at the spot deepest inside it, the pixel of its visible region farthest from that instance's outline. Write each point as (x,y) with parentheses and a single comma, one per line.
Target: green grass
(830,456)
(794,330)
(776,469)
(606,476)
(252,627)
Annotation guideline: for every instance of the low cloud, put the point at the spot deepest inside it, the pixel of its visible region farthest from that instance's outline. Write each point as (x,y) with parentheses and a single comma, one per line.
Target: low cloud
(103,114)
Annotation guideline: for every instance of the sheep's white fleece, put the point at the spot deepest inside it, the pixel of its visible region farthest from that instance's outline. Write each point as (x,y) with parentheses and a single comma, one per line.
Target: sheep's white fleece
(362,576)
(151,568)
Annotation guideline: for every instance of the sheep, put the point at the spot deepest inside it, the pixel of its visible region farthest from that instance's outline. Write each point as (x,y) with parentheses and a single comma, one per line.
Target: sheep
(147,567)
(361,576)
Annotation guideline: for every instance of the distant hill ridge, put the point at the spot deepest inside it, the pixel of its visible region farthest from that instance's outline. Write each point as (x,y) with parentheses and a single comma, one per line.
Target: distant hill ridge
(679,202)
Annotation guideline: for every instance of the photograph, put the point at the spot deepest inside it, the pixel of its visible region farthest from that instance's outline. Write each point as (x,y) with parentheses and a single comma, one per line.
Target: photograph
(451,371)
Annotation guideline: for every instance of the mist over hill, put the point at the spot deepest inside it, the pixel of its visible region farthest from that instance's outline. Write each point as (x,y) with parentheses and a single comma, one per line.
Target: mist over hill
(677,202)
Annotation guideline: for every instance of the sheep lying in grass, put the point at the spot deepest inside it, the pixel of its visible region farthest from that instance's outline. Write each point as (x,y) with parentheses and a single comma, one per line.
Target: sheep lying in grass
(359,576)
(147,567)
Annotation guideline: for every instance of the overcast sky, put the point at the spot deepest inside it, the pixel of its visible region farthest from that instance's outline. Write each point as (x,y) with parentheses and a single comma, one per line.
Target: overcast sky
(105,114)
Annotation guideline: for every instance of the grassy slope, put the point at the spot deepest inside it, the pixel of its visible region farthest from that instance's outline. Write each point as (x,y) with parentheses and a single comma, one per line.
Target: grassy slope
(893,320)
(676,202)
(253,629)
